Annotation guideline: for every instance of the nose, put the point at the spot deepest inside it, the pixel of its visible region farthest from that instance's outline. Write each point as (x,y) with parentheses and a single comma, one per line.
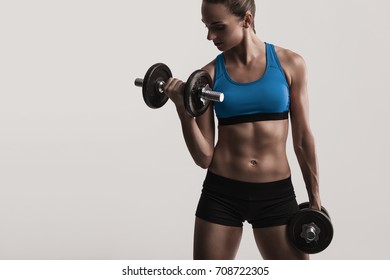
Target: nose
(210,35)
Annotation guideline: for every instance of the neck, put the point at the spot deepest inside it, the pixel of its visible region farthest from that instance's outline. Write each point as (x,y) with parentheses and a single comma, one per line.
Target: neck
(250,48)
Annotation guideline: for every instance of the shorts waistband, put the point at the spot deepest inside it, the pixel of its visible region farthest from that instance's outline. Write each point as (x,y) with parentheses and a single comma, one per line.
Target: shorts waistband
(248,190)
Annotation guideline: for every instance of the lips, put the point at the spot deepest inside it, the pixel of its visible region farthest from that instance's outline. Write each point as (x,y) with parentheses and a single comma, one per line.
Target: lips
(217,44)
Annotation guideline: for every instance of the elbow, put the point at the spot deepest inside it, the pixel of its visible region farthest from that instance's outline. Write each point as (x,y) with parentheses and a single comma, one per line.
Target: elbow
(204,165)
(204,162)
(304,146)
(298,148)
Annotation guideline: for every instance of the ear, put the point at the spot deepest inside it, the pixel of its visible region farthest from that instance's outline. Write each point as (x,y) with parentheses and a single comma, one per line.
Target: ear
(248,19)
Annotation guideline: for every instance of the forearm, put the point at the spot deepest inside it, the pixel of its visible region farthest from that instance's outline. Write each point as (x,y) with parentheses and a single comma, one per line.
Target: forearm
(306,155)
(200,148)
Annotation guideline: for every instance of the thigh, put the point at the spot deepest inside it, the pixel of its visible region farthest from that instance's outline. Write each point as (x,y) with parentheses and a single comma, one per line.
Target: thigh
(273,244)
(215,241)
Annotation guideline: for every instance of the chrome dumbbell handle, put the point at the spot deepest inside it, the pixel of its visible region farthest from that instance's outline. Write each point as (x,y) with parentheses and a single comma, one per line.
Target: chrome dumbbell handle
(139,82)
(159,84)
(205,93)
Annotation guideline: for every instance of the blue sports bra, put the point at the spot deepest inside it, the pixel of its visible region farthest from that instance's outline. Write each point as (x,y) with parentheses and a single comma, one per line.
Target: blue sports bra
(267,98)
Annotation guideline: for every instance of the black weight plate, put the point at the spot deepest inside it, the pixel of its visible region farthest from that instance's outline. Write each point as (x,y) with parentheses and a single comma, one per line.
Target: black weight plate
(305,205)
(156,73)
(307,216)
(192,101)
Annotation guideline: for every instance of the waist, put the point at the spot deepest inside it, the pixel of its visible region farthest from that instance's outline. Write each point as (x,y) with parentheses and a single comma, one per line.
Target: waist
(254,152)
(248,190)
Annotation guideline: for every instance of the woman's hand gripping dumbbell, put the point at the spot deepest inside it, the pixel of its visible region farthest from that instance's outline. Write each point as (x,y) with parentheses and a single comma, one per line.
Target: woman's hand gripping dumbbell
(197,90)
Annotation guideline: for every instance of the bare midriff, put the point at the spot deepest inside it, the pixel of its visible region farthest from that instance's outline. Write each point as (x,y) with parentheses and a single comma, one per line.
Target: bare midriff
(252,152)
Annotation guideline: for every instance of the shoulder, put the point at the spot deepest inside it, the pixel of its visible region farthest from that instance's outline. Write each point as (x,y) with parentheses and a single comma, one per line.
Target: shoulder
(289,57)
(292,63)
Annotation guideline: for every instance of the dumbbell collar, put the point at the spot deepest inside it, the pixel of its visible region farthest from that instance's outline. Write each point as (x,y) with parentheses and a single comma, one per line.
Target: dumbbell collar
(310,232)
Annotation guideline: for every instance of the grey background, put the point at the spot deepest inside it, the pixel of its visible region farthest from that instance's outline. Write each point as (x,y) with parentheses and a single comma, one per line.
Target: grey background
(88,171)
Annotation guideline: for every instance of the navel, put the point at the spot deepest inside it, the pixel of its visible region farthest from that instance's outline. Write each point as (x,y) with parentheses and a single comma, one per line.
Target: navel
(253,163)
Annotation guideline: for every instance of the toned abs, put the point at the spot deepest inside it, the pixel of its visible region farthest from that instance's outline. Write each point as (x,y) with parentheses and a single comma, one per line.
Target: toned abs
(252,152)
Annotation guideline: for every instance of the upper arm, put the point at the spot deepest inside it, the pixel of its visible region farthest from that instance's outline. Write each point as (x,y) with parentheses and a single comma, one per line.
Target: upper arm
(296,73)
(206,120)
(210,68)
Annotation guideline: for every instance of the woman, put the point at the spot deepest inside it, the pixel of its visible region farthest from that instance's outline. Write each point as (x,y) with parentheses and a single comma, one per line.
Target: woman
(248,174)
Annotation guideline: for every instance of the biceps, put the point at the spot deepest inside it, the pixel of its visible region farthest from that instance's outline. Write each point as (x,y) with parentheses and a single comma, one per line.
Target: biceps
(299,112)
(206,125)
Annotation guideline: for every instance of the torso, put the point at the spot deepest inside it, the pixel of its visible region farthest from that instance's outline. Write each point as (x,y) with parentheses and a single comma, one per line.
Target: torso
(252,151)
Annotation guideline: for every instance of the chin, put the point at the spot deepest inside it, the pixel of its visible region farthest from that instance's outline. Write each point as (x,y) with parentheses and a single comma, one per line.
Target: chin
(222,48)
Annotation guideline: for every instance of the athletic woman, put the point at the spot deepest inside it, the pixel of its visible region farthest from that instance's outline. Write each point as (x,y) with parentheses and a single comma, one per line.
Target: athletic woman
(248,174)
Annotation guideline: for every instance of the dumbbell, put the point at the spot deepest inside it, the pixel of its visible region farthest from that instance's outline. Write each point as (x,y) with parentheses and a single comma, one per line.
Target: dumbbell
(197,91)
(310,230)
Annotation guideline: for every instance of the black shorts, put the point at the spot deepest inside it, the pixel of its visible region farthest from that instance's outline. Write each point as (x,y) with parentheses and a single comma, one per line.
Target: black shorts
(230,202)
